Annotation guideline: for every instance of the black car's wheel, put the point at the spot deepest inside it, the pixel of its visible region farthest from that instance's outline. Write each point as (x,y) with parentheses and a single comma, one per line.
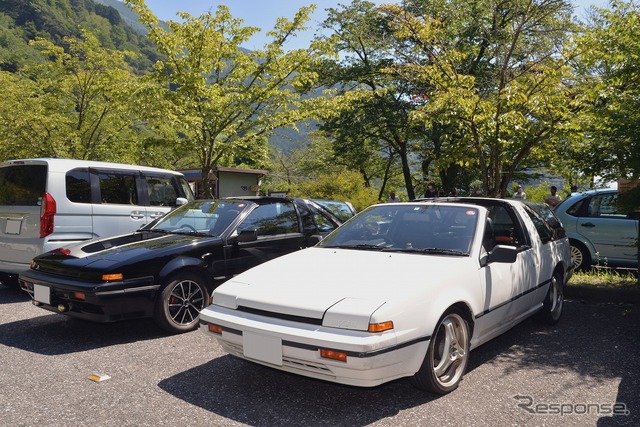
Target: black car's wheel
(447,357)
(180,302)
(553,304)
(580,256)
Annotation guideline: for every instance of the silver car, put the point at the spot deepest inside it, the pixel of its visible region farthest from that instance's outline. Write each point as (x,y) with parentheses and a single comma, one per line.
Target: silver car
(600,232)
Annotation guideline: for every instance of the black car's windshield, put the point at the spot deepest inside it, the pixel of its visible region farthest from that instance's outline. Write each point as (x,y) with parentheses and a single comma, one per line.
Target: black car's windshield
(201,217)
(416,228)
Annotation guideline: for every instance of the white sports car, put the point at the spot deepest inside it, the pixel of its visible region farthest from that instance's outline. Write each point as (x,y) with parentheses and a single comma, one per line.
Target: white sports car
(401,290)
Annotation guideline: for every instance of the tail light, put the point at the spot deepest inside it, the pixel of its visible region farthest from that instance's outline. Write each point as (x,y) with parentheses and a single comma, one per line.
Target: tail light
(47,213)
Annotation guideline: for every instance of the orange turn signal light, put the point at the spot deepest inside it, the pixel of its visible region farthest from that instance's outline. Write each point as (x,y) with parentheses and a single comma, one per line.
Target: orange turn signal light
(333,355)
(380,327)
(215,329)
(111,277)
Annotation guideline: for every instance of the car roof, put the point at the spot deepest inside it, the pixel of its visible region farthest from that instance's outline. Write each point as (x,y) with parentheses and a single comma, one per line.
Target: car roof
(63,165)
(261,199)
(479,201)
(596,191)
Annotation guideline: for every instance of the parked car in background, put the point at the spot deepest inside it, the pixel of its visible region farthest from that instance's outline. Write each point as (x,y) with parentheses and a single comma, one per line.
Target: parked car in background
(600,232)
(343,210)
(167,270)
(409,299)
(46,203)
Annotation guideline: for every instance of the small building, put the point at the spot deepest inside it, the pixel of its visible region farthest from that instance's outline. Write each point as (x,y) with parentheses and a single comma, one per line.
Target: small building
(226,182)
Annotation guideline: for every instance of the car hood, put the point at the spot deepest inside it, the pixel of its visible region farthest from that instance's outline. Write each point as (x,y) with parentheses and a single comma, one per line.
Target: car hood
(341,287)
(125,249)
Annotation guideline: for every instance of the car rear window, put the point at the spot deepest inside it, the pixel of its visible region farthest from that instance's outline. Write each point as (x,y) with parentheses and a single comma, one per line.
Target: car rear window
(22,185)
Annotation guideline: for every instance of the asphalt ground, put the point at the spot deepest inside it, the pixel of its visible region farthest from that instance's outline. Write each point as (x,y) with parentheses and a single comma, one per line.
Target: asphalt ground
(578,373)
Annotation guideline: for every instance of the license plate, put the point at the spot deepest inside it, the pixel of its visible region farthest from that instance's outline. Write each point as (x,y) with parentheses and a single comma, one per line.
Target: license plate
(13,226)
(263,348)
(42,294)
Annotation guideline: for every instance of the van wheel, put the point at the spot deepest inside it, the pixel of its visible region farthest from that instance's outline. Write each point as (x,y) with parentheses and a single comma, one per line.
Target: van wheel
(179,304)
(446,360)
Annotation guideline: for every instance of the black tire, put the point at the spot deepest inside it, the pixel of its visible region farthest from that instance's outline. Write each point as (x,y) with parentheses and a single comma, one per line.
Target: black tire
(443,368)
(580,256)
(179,304)
(553,304)
(9,280)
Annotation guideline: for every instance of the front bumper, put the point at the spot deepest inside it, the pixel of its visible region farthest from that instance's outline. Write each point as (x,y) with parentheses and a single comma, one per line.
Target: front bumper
(372,358)
(98,302)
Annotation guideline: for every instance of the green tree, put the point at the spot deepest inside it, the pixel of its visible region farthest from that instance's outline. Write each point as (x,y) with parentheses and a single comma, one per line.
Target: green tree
(609,66)
(80,103)
(492,75)
(222,99)
(373,132)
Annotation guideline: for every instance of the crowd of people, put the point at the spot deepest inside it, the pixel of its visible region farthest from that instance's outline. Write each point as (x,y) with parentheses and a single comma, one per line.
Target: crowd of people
(552,198)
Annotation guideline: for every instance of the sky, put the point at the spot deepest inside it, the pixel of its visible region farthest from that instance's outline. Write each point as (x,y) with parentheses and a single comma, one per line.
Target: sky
(264,13)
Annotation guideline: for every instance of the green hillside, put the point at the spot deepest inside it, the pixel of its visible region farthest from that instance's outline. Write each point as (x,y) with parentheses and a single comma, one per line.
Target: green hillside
(24,20)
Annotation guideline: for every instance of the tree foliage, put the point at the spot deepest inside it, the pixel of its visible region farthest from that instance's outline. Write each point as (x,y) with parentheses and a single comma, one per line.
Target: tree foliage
(493,74)
(344,185)
(220,98)
(610,64)
(79,103)
(373,131)
(25,20)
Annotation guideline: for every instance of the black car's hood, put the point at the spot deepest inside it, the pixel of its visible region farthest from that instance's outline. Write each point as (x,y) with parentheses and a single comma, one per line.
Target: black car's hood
(120,250)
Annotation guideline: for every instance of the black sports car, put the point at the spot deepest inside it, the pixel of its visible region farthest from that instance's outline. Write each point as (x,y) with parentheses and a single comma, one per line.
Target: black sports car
(168,269)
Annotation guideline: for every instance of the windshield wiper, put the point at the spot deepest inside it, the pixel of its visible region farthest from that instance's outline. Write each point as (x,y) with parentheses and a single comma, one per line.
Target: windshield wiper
(433,251)
(180,232)
(190,233)
(156,230)
(365,246)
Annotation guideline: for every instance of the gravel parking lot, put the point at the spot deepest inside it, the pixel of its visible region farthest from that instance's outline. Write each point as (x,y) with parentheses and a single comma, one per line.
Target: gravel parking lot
(578,373)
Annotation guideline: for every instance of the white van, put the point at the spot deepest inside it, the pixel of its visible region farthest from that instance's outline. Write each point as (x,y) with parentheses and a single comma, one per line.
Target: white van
(48,203)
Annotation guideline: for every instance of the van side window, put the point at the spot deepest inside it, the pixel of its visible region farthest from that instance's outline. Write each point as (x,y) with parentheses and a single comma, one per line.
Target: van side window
(118,188)
(78,184)
(161,191)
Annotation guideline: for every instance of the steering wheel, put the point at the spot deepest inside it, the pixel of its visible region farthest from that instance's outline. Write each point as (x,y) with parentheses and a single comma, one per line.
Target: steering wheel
(190,227)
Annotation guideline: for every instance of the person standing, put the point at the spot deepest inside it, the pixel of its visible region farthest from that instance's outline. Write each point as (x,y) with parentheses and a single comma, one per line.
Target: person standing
(431,190)
(553,198)
(393,198)
(520,194)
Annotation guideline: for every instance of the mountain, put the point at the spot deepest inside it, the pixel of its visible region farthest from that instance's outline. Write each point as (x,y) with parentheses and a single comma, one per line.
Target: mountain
(115,25)
(127,15)
(24,20)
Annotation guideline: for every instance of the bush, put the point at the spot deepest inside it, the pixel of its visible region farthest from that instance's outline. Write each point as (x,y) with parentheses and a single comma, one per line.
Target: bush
(344,186)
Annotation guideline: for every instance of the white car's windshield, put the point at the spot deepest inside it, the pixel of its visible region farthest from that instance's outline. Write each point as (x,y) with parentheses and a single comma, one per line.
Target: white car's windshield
(429,229)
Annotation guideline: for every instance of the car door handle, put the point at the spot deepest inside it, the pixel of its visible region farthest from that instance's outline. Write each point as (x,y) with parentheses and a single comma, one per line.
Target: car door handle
(588,224)
(137,215)
(157,215)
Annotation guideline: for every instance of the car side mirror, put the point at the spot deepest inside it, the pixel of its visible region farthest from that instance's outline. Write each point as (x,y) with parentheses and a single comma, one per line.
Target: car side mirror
(181,201)
(502,253)
(247,235)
